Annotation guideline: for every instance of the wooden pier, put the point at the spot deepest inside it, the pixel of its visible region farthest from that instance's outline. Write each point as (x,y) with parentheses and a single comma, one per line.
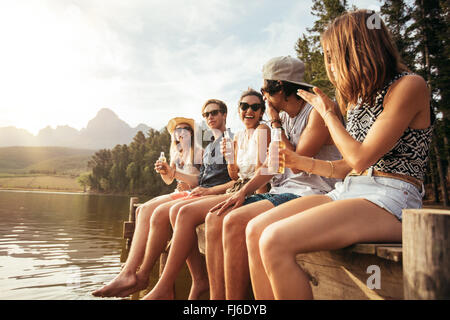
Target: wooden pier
(418,268)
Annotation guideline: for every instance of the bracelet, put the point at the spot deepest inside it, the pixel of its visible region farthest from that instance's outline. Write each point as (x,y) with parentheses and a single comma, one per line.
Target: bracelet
(332,168)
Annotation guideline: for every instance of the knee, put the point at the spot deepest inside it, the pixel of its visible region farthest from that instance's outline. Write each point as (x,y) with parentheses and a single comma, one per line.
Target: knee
(233,227)
(174,211)
(181,214)
(160,216)
(252,234)
(213,227)
(144,211)
(271,247)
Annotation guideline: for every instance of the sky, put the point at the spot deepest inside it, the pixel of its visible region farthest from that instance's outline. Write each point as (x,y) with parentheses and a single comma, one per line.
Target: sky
(61,61)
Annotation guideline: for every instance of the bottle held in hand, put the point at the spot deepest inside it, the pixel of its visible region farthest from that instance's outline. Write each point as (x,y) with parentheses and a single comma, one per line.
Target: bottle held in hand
(158,167)
(276,162)
(229,157)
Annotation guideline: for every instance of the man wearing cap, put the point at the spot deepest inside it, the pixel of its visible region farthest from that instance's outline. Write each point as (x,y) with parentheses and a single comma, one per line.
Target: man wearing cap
(304,131)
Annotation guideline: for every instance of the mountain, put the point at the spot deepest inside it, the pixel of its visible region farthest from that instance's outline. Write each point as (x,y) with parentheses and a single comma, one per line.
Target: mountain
(105,130)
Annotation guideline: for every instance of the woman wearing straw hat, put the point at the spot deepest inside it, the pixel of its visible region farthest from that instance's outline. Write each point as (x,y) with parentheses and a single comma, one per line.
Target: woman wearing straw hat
(182,153)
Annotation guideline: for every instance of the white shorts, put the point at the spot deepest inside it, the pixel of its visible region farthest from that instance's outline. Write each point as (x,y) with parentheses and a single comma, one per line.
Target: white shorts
(391,194)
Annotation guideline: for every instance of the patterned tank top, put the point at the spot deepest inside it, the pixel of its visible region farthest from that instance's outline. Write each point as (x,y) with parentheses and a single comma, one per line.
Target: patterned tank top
(409,156)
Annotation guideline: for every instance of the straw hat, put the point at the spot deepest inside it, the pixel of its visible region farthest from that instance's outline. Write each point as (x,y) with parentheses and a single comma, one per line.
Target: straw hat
(177,120)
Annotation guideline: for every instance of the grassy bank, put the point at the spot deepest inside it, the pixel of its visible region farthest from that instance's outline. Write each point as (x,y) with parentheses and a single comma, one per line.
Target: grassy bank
(40,182)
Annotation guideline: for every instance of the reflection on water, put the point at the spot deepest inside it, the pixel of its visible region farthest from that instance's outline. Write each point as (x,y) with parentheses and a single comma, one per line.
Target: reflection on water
(58,246)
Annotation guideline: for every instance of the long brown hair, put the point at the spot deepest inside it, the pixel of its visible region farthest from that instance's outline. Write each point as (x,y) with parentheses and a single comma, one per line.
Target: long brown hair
(363,54)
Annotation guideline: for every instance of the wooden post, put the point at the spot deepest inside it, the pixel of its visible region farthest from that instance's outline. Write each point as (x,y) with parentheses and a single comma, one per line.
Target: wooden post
(426,254)
(132,217)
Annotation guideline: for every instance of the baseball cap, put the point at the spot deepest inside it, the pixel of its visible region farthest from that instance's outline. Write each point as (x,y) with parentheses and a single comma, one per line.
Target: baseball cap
(285,68)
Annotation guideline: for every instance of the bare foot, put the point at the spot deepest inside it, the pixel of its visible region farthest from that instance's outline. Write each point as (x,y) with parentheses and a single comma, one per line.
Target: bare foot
(156,294)
(198,288)
(141,284)
(123,281)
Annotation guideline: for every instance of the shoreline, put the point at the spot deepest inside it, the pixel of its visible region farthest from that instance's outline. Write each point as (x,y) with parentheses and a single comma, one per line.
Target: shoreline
(68,191)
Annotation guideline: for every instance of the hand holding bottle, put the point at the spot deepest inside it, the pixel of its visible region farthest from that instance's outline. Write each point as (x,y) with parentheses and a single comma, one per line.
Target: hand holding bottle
(226,147)
(161,165)
(276,160)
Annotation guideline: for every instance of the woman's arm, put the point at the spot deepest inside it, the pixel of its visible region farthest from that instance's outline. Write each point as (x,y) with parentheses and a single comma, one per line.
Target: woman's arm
(165,174)
(263,138)
(407,102)
(330,169)
(232,168)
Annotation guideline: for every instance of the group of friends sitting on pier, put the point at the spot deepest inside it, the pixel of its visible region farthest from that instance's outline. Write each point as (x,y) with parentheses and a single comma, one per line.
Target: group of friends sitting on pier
(351,167)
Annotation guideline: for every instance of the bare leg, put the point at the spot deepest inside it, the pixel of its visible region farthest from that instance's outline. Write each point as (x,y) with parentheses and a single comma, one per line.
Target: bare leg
(214,255)
(326,227)
(184,239)
(127,276)
(157,240)
(260,282)
(195,262)
(236,270)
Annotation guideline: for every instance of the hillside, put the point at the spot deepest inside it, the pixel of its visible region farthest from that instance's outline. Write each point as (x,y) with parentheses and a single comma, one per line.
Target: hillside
(105,130)
(44,159)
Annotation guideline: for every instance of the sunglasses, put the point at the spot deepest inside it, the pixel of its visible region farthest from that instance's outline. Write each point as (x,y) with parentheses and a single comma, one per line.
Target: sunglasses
(255,107)
(180,130)
(270,92)
(213,113)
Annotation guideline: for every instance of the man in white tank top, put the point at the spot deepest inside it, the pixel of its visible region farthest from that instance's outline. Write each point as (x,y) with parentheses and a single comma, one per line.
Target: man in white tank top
(303,131)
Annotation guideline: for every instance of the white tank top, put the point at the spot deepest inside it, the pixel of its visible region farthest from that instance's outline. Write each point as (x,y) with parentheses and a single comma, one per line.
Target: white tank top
(247,153)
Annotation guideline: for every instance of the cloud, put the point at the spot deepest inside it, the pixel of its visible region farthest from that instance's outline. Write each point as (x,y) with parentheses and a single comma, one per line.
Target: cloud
(148,61)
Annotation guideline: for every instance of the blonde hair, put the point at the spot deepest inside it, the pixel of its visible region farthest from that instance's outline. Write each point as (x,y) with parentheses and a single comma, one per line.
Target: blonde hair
(364,58)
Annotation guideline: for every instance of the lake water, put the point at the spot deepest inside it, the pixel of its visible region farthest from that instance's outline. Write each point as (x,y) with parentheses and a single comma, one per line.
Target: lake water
(58,245)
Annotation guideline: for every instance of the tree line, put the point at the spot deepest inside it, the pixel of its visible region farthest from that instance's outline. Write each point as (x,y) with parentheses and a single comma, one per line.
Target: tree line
(420,29)
(129,168)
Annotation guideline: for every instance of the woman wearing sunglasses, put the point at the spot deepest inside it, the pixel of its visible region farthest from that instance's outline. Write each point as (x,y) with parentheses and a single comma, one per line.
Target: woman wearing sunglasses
(182,151)
(248,152)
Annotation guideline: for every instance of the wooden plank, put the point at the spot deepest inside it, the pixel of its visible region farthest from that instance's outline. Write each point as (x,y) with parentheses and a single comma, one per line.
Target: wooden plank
(370,248)
(390,253)
(342,275)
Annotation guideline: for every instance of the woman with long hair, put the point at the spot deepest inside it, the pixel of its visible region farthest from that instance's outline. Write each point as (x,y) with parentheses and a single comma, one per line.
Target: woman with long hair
(247,153)
(384,146)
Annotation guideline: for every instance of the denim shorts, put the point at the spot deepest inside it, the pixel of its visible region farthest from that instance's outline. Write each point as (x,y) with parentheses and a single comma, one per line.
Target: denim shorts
(276,199)
(391,194)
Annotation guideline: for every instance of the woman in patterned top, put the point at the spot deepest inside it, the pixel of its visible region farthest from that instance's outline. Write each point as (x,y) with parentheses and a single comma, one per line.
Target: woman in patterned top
(385,152)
